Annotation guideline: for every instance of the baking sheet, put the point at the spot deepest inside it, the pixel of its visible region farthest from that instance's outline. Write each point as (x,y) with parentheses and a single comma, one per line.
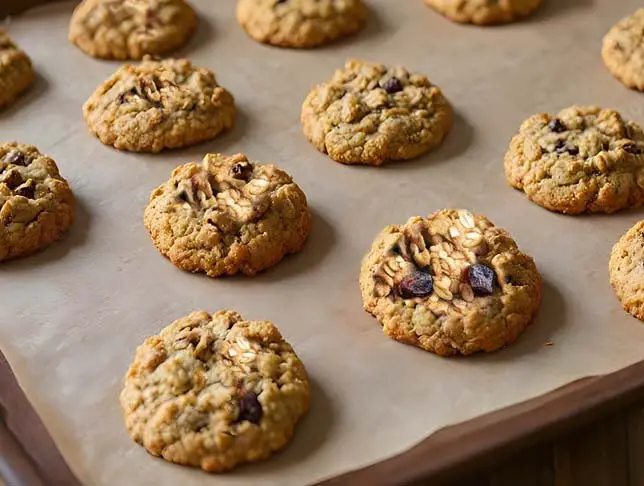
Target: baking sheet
(72,316)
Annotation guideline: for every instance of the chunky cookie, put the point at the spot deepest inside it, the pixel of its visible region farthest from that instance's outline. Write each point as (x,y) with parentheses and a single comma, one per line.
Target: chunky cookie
(300,23)
(16,73)
(130,29)
(36,203)
(626,270)
(484,12)
(214,391)
(452,283)
(623,50)
(369,114)
(158,105)
(583,159)
(227,215)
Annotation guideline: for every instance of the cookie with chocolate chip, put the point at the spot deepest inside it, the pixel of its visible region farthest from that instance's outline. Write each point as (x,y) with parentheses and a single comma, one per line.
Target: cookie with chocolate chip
(582,159)
(157,105)
(369,114)
(451,283)
(130,29)
(623,50)
(16,72)
(300,23)
(484,12)
(36,203)
(228,215)
(214,391)
(626,269)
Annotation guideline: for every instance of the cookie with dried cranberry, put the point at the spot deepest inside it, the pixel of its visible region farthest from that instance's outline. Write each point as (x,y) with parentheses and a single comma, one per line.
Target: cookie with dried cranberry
(130,29)
(625,269)
(214,391)
(484,12)
(157,105)
(228,215)
(451,283)
(623,50)
(300,23)
(36,203)
(16,72)
(369,113)
(583,159)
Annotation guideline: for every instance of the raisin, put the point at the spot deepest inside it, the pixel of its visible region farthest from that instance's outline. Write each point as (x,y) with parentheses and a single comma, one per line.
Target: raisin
(631,148)
(562,147)
(417,284)
(26,190)
(241,171)
(13,179)
(249,408)
(16,157)
(556,125)
(482,279)
(392,85)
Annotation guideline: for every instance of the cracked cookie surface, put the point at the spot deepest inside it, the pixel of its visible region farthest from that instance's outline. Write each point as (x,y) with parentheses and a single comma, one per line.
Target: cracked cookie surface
(626,269)
(158,105)
(623,50)
(16,72)
(36,203)
(452,283)
(130,29)
(214,391)
(300,23)
(228,215)
(370,114)
(583,159)
(484,12)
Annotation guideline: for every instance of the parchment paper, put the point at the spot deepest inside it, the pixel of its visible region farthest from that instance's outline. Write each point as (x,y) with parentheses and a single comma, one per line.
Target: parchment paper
(72,316)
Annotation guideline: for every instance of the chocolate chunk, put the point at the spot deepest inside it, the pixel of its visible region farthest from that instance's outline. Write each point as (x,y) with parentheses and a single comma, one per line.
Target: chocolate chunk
(241,171)
(562,147)
(417,284)
(13,179)
(482,279)
(16,157)
(392,85)
(631,148)
(249,408)
(26,190)
(556,125)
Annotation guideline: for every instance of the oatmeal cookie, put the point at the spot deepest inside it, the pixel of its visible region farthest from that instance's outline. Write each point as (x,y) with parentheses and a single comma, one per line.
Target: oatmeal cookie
(227,215)
(583,159)
(16,72)
(158,105)
(452,283)
(36,203)
(623,50)
(626,268)
(369,114)
(214,391)
(130,29)
(484,12)
(300,23)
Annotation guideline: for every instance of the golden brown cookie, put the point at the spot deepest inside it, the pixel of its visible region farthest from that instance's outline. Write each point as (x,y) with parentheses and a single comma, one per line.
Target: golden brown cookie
(300,23)
(16,72)
(452,283)
(484,12)
(626,268)
(36,203)
(623,50)
(370,114)
(130,29)
(583,159)
(159,105)
(214,391)
(228,215)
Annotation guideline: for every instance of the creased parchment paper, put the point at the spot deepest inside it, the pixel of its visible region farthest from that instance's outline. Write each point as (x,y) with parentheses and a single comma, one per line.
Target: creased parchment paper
(72,316)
